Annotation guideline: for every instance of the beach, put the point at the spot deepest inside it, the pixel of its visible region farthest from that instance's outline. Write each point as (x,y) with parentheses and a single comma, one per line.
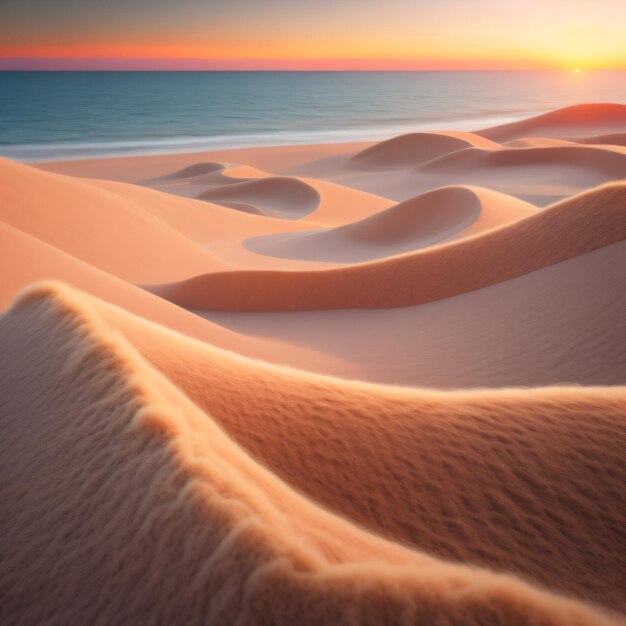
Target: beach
(374,382)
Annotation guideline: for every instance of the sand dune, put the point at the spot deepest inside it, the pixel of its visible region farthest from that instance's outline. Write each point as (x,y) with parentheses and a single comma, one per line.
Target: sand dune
(606,164)
(509,334)
(188,183)
(321,202)
(442,215)
(288,198)
(564,230)
(614,142)
(539,142)
(582,119)
(191,171)
(415,148)
(103,228)
(127,444)
(99,221)
(276,159)
(34,260)
(244,208)
(539,170)
(370,383)
(613,139)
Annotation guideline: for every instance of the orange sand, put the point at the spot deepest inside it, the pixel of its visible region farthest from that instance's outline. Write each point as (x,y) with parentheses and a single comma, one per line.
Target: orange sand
(348,384)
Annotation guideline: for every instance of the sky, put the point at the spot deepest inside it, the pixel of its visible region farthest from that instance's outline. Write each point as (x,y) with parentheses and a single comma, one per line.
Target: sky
(312,34)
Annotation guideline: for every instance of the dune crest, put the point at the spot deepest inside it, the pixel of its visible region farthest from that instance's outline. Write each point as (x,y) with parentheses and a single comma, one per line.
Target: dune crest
(441,215)
(416,148)
(287,198)
(234,531)
(612,139)
(566,229)
(579,119)
(608,164)
(509,334)
(191,171)
(97,224)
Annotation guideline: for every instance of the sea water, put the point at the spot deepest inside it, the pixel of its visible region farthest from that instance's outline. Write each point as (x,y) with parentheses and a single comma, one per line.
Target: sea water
(60,115)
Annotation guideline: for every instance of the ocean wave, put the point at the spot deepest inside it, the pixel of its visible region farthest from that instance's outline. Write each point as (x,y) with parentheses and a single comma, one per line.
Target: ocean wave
(33,152)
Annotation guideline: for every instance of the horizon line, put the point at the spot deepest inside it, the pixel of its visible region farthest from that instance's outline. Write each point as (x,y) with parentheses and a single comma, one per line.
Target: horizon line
(130,64)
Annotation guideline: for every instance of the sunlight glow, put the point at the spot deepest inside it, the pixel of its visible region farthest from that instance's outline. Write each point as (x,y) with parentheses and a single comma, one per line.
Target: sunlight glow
(398,34)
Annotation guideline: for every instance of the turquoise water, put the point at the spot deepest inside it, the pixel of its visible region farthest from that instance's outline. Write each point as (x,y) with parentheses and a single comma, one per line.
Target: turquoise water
(56,115)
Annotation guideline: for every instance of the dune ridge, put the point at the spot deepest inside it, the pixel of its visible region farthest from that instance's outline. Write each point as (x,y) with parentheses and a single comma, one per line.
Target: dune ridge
(612,139)
(569,228)
(191,171)
(606,163)
(509,334)
(34,260)
(287,198)
(98,221)
(414,148)
(223,514)
(441,215)
(582,119)
(97,224)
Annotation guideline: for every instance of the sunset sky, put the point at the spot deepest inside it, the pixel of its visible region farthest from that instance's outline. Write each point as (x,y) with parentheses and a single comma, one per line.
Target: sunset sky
(306,34)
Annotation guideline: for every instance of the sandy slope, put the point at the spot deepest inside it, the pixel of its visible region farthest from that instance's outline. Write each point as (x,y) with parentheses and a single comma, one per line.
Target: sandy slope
(100,226)
(577,120)
(171,453)
(233,535)
(415,148)
(444,214)
(258,192)
(562,231)
(33,260)
(612,139)
(126,229)
(288,198)
(535,329)
(598,163)
(545,171)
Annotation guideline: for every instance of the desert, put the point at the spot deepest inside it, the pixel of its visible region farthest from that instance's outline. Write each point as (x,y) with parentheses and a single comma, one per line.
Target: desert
(372,382)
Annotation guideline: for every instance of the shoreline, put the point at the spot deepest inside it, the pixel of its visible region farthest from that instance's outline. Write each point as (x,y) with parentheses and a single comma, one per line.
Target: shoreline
(31,153)
(118,114)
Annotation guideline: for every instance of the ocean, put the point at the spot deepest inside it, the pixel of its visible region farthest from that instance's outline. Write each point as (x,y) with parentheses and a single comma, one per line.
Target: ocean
(62,115)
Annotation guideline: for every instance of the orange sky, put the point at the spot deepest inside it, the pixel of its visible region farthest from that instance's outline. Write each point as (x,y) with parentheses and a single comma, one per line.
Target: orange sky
(348,34)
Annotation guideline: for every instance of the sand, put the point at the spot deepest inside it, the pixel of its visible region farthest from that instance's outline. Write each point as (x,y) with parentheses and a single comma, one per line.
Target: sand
(348,384)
